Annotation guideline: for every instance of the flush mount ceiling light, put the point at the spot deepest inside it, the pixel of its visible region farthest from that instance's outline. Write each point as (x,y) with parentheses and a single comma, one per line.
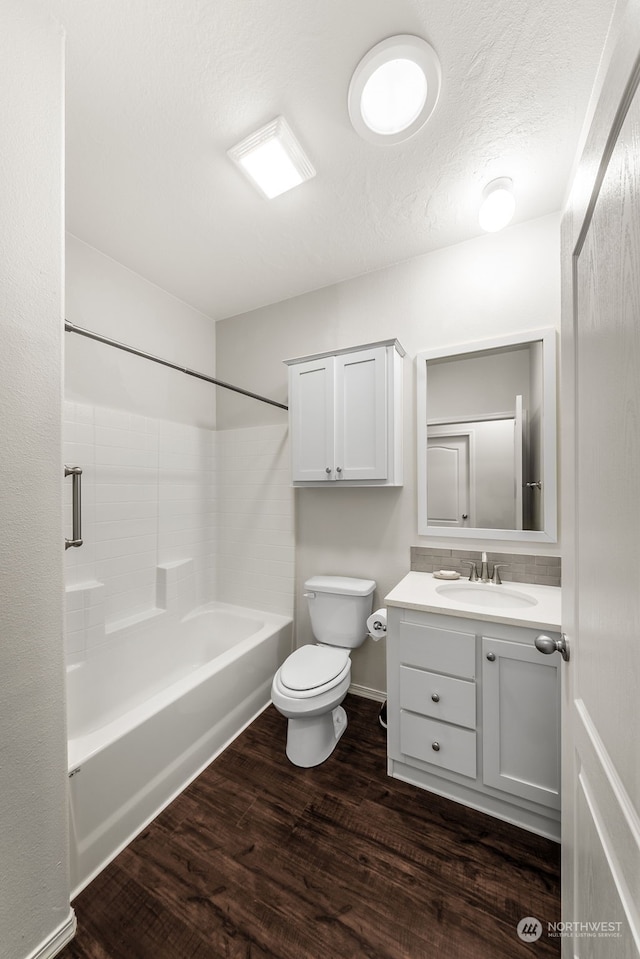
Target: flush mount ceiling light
(272,159)
(498,204)
(394,89)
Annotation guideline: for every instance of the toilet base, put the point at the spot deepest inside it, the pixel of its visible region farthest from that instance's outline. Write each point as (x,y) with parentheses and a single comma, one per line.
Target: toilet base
(310,741)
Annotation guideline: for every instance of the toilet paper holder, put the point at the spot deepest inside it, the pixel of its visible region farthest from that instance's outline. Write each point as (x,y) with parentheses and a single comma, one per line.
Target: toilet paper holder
(377,624)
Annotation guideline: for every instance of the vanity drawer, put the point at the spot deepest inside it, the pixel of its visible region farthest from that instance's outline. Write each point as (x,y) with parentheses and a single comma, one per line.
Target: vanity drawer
(442,697)
(437,649)
(456,748)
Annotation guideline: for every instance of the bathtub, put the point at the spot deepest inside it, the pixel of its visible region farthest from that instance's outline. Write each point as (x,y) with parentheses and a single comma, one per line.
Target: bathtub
(150,709)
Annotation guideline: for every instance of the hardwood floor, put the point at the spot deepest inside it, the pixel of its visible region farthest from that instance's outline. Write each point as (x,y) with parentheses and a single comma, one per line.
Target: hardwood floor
(261,860)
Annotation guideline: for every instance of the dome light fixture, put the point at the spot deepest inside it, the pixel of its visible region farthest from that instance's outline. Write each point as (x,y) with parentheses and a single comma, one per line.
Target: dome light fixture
(498,204)
(394,89)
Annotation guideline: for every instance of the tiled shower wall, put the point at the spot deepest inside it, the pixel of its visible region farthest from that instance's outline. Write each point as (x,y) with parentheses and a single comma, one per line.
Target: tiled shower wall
(170,511)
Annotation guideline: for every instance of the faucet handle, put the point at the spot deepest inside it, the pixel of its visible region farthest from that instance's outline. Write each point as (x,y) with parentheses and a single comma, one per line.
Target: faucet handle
(495,576)
(473,572)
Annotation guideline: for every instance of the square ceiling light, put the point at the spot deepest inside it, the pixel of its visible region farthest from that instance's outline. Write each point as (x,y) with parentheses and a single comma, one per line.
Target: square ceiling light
(272,159)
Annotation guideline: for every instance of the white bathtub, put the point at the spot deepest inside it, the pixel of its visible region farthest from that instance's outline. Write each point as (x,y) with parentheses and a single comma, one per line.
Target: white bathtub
(151,709)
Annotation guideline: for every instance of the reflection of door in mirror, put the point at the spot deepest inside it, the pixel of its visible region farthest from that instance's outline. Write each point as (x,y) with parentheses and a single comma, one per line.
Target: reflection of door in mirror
(448,479)
(501,394)
(471,471)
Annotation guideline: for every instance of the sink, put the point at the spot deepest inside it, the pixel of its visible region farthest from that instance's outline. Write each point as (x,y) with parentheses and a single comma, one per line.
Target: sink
(479,595)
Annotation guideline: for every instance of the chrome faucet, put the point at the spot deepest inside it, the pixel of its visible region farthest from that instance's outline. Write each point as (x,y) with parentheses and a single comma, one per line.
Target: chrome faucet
(483,576)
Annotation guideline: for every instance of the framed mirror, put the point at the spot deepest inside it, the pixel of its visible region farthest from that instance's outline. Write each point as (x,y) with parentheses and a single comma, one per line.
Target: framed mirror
(486,422)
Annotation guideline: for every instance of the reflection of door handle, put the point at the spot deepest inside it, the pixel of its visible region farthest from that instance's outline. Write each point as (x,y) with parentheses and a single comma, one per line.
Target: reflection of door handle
(465,516)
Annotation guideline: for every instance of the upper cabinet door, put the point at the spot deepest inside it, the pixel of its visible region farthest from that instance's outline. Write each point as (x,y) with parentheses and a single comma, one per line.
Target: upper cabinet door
(345,416)
(361,415)
(311,392)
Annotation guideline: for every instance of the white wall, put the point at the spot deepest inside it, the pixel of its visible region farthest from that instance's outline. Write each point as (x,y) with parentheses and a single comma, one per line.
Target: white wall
(34,877)
(255,541)
(106,297)
(497,284)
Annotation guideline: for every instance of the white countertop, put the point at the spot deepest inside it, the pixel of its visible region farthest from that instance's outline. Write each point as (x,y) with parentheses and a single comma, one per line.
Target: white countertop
(418,591)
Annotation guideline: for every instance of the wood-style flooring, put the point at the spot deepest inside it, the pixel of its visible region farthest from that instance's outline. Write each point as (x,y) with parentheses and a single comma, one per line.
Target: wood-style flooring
(258,859)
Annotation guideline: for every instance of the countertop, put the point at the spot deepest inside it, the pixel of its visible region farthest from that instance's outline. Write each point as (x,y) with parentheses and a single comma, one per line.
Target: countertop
(418,591)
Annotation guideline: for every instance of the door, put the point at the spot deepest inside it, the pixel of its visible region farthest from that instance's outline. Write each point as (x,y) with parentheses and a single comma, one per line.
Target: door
(312,431)
(448,479)
(361,415)
(601,516)
(521,720)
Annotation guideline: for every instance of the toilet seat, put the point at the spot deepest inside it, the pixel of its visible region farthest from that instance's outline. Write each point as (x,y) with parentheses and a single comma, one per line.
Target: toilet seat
(311,670)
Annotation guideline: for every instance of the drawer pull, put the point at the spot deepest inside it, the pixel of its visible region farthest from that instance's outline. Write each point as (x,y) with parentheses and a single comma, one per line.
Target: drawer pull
(435,747)
(435,697)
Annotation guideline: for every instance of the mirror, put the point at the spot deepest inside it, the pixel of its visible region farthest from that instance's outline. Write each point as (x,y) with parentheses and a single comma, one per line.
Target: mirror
(487,439)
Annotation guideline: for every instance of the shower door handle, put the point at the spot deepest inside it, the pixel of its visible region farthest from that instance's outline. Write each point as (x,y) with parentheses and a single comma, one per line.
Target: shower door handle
(76,496)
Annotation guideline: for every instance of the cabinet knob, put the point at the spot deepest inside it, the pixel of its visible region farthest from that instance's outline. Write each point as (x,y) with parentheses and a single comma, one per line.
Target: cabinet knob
(338,469)
(491,657)
(328,469)
(435,747)
(435,697)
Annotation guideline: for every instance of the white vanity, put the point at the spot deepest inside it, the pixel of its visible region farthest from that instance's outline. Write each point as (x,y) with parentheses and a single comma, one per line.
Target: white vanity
(473,705)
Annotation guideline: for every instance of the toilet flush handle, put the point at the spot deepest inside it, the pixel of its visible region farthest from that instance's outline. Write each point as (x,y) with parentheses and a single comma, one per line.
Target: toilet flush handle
(309,595)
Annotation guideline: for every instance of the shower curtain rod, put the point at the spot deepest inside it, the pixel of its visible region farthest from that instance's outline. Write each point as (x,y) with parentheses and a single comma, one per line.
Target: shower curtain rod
(72,328)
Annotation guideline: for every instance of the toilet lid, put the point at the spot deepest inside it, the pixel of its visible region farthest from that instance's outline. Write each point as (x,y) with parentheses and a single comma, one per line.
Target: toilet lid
(312,666)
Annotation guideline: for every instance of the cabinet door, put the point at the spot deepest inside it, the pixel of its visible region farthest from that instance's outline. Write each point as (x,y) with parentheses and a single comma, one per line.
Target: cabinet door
(521,721)
(361,415)
(311,387)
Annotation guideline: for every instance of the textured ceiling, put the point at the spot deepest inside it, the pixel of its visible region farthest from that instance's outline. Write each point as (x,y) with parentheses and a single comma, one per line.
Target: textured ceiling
(159,90)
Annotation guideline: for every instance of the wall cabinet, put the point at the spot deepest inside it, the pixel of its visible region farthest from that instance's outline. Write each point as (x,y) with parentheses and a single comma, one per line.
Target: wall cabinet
(474,715)
(345,417)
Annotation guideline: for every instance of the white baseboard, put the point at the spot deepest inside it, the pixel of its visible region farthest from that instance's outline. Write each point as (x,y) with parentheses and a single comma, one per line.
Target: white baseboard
(367,693)
(58,939)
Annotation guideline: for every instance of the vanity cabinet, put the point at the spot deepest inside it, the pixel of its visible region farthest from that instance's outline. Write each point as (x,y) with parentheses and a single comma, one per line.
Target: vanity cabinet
(345,417)
(474,715)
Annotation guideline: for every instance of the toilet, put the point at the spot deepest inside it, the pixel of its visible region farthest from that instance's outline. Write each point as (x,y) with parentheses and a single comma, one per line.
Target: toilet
(312,682)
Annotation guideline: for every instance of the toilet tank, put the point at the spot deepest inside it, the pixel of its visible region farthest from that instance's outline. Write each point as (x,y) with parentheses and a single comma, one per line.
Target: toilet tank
(339,607)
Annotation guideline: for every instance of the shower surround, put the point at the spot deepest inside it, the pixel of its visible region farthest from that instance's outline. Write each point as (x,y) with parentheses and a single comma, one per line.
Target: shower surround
(187,532)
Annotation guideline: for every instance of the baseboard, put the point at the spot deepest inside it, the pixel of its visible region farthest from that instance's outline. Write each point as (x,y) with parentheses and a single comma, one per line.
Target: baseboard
(58,939)
(366,693)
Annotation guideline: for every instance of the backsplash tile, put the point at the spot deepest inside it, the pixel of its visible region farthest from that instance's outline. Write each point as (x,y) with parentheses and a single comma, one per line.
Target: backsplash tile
(519,568)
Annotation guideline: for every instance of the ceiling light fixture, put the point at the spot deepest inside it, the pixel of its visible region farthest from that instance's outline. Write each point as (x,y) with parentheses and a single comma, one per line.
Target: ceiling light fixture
(394,89)
(498,204)
(272,159)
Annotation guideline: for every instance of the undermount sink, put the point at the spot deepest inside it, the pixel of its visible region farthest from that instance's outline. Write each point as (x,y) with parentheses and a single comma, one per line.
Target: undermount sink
(477,594)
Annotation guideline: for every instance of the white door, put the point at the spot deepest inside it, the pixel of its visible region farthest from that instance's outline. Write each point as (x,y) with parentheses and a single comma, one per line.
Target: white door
(448,483)
(361,415)
(311,386)
(601,517)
